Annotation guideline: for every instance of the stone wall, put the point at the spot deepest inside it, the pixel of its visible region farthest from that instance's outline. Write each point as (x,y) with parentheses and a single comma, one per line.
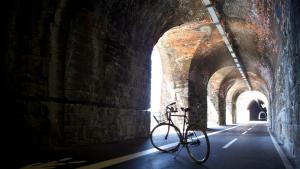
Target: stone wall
(285,96)
(85,124)
(69,65)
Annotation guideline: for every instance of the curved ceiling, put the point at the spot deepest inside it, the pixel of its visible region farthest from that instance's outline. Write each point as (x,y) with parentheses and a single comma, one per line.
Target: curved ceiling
(197,49)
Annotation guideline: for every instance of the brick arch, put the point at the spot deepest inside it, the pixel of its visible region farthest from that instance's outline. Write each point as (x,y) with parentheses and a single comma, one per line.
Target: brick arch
(214,88)
(85,65)
(236,89)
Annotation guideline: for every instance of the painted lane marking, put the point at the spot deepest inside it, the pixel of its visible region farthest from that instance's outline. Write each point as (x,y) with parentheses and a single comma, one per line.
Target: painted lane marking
(53,164)
(230,143)
(245,132)
(209,134)
(121,159)
(249,129)
(283,157)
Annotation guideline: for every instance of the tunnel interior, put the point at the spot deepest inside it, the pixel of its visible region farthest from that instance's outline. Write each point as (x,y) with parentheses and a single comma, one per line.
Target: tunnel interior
(78,73)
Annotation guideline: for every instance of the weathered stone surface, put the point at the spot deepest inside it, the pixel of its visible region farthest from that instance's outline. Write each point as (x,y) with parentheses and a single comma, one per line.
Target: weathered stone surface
(91,124)
(71,70)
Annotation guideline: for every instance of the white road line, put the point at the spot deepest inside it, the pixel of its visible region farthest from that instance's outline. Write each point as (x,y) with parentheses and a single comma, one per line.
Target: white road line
(230,143)
(118,160)
(249,129)
(121,159)
(283,157)
(221,131)
(245,132)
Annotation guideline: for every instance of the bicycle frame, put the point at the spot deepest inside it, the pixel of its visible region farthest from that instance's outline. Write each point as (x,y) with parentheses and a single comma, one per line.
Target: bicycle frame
(169,115)
(188,137)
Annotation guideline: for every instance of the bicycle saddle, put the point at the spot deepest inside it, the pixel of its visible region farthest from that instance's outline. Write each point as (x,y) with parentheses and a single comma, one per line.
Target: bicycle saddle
(185,109)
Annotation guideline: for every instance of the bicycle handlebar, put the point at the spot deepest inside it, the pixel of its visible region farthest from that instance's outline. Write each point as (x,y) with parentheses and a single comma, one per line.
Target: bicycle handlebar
(172,104)
(172,109)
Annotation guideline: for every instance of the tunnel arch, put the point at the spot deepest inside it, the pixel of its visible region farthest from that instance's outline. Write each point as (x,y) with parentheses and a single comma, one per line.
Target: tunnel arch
(125,58)
(214,93)
(178,60)
(248,108)
(237,88)
(77,68)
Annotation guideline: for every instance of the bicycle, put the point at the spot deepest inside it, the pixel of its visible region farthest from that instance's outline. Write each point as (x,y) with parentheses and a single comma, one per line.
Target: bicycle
(194,140)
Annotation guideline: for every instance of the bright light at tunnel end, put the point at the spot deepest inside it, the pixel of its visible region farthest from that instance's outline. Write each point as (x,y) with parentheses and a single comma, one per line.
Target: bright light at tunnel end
(243,102)
(156,80)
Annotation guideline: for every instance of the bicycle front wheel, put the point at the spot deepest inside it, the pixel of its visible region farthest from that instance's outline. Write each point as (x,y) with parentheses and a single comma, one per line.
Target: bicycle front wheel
(165,137)
(197,145)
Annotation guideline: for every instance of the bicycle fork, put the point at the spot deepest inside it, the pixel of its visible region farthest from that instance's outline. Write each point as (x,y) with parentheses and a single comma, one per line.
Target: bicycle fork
(166,137)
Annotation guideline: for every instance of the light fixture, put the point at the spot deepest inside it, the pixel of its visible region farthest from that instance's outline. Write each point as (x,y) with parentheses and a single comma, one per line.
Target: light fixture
(206,2)
(222,32)
(233,55)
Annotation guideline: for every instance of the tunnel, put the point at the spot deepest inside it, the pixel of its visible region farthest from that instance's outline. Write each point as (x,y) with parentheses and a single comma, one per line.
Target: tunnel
(78,73)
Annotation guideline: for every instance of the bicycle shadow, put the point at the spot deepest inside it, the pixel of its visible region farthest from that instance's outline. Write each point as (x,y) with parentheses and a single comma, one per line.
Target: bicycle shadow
(181,159)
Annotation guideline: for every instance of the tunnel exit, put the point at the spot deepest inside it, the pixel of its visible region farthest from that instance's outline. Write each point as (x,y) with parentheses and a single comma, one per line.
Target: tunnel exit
(251,106)
(156,80)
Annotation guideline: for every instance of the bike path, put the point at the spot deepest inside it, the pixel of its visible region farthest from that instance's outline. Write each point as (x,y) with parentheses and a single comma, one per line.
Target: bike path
(81,156)
(252,149)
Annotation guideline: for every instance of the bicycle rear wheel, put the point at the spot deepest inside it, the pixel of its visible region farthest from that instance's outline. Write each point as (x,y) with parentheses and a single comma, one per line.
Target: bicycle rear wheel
(197,145)
(165,137)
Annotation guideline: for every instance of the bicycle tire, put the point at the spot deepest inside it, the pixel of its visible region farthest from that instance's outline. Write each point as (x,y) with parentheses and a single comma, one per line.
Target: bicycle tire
(198,145)
(163,140)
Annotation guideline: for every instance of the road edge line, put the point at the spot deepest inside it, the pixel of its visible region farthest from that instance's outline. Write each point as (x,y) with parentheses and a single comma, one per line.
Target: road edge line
(282,155)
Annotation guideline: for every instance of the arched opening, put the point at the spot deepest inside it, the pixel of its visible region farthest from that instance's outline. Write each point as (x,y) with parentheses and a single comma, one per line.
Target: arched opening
(156,80)
(249,104)
(217,88)
(262,116)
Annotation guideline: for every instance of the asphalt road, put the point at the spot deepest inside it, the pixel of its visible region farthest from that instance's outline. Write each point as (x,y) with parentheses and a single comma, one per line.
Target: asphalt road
(247,146)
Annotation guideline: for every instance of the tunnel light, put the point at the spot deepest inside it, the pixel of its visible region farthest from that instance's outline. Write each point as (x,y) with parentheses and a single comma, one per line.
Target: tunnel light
(221,30)
(233,55)
(230,48)
(227,42)
(213,14)
(215,19)
(249,88)
(206,2)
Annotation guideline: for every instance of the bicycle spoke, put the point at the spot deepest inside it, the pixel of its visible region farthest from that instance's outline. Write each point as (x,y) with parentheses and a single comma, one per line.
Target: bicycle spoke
(197,145)
(164,139)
